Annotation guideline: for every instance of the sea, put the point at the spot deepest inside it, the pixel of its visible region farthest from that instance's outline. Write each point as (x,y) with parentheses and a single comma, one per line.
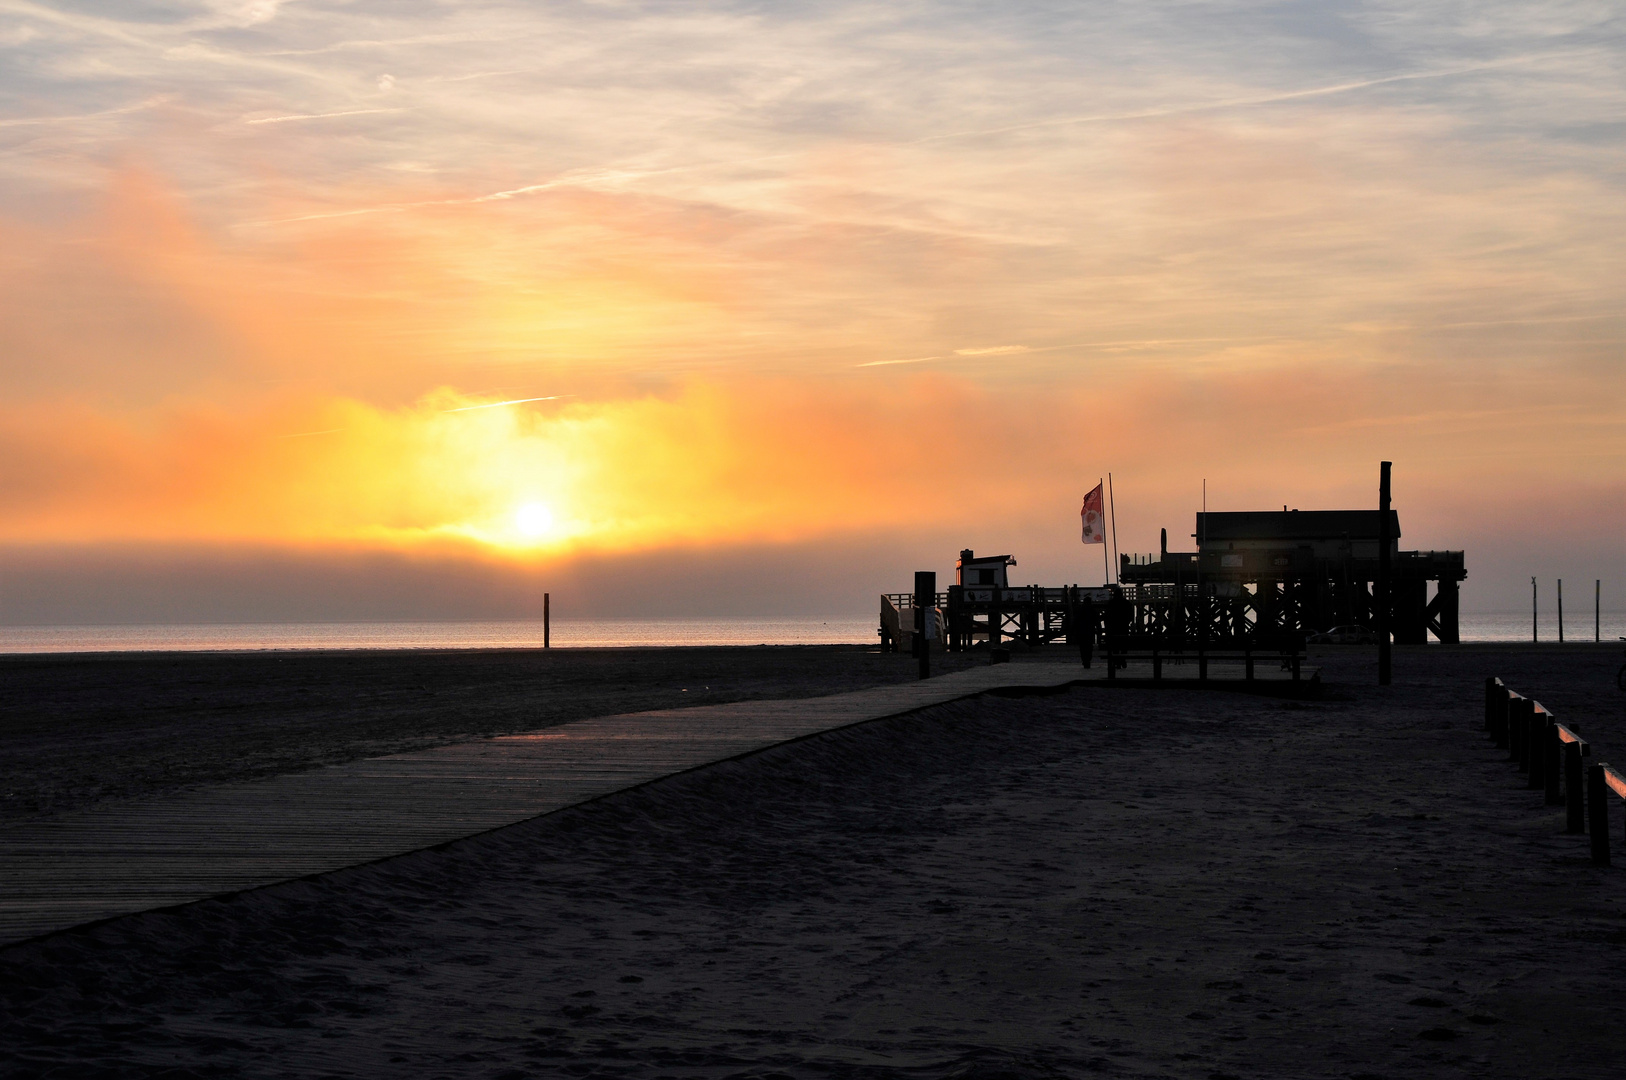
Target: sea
(599,633)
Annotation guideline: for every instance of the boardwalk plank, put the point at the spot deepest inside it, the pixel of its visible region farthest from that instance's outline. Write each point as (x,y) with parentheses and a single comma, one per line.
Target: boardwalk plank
(139,855)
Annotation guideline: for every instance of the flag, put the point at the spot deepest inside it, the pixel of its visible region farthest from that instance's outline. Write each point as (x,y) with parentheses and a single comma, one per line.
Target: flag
(1094,533)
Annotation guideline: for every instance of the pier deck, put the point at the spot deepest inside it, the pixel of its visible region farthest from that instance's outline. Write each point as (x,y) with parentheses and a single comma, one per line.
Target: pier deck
(138,855)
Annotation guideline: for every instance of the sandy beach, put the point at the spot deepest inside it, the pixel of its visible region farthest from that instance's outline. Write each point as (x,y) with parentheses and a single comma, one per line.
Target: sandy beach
(1108,881)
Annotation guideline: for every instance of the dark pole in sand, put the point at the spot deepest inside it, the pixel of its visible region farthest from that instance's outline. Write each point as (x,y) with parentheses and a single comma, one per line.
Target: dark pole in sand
(1535,630)
(1597,609)
(546,634)
(925,601)
(1385,658)
(1561,611)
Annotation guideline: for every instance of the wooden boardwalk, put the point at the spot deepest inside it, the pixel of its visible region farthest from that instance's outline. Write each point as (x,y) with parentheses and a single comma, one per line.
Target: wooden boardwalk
(138,855)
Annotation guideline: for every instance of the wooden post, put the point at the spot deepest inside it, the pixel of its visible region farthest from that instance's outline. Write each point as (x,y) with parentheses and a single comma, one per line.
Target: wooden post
(925,602)
(1383,587)
(1597,804)
(1536,749)
(1535,628)
(1504,702)
(547,632)
(1574,800)
(1491,685)
(1561,611)
(1519,732)
(1554,764)
(1083,625)
(1597,608)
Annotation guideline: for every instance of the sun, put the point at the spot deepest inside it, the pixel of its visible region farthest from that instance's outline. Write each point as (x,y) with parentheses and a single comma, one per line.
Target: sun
(533,520)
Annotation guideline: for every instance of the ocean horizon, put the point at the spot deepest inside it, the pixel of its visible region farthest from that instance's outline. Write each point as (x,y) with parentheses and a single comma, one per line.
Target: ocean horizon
(1503,626)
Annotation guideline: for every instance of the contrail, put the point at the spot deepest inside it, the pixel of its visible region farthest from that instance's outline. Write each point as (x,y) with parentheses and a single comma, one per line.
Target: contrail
(1018,350)
(319,116)
(1260,99)
(911,360)
(500,404)
(119,111)
(588,177)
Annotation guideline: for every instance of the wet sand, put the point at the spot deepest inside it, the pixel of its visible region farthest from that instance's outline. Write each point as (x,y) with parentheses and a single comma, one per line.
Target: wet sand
(1126,882)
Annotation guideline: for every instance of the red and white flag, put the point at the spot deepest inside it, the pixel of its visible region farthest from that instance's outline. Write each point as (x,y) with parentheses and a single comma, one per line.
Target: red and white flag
(1094,521)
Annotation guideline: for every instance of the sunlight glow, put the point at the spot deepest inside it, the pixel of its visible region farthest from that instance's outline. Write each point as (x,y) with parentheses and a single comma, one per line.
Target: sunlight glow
(533,520)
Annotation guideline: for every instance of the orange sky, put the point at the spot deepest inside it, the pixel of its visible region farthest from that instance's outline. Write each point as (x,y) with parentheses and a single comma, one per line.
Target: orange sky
(378,298)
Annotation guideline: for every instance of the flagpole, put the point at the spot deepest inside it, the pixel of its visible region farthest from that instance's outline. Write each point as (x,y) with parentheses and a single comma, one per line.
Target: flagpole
(1114,508)
(1106,570)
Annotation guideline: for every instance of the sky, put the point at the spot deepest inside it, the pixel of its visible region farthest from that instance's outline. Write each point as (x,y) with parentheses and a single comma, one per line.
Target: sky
(418,310)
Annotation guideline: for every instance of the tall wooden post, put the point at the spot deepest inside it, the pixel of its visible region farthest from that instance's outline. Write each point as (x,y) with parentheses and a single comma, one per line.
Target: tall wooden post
(1574,799)
(925,602)
(1561,611)
(1535,628)
(1554,772)
(1515,730)
(1597,609)
(1382,599)
(1536,749)
(1597,804)
(546,628)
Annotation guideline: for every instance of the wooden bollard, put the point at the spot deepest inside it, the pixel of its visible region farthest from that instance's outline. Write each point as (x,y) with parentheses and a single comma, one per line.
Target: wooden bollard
(1574,799)
(1554,764)
(1535,738)
(1514,718)
(1519,742)
(1597,804)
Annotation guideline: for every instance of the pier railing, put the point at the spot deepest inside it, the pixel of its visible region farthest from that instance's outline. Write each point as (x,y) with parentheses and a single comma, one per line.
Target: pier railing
(1551,754)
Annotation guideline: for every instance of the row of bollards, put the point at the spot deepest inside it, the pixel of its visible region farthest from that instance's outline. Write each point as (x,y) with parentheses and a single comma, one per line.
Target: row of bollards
(1551,754)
